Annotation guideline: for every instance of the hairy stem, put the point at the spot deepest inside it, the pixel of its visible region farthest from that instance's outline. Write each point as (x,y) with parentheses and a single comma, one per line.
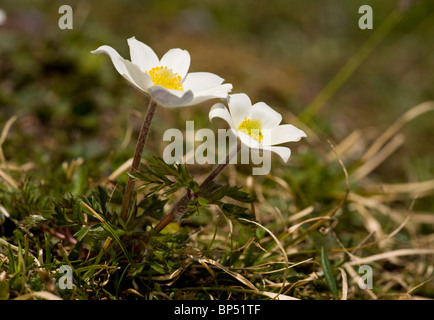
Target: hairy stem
(180,207)
(126,202)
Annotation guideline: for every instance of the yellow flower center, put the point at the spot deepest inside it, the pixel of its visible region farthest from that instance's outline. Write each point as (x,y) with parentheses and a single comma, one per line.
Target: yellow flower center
(252,127)
(166,77)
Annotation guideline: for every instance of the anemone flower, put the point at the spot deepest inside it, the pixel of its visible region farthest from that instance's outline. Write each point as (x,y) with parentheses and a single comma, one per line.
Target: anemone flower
(167,81)
(257,126)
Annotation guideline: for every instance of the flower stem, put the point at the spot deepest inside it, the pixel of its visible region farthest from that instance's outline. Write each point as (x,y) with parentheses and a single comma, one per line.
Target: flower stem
(181,206)
(137,157)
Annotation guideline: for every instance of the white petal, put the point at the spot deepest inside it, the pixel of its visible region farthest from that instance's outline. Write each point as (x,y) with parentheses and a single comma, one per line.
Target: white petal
(170,98)
(219,110)
(142,55)
(178,60)
(283,152)
(220,92)
(248,140)
(128,70)
(281,134)
(198,81)
(142,80)
(240,107)
(269,117)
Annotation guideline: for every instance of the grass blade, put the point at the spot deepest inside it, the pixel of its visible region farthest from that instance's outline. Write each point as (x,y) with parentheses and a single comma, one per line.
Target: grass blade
(109,229)
(328,273)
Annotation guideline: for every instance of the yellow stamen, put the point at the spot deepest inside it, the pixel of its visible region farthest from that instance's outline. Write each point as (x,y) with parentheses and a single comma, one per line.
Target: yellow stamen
(166,77)
(252,127)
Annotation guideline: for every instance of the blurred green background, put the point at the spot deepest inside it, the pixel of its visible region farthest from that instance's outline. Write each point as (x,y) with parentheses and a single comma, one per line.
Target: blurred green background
(70,103)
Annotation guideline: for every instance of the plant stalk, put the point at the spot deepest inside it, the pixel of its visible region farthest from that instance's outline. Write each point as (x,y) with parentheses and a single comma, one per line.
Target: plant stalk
(126,202)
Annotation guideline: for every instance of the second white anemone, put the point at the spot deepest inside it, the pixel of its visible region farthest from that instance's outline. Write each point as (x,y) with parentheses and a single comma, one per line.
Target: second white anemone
(166,80)
(257,126)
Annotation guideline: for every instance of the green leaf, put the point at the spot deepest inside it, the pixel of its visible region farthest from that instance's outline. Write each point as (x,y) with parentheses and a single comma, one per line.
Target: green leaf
(33,220)
(328,273)
(214,192)
(11,258)
(158,268)
(77,213)
(237,213)
(82,233)
(202,201)
(158,255)
(113,230)
(236,194)
(152,206)
(158,175)
(103,197)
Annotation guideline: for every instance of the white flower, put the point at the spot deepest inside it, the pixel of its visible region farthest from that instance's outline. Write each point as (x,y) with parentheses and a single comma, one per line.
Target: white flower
(166,80)
(257,126)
